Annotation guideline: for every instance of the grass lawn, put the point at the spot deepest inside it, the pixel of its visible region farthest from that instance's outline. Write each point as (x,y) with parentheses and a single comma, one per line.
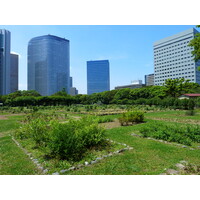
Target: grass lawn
(146,157)
(13,161)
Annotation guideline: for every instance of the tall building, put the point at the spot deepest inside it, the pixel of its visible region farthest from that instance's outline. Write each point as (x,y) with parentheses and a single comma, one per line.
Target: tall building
(48,64)
(173,58)
(149,79)
(4,62)
(98,76)
(70,82)
(73,91)
(14,62)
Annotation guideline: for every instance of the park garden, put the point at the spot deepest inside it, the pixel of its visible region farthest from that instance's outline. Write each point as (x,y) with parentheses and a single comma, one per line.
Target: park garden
(123,132)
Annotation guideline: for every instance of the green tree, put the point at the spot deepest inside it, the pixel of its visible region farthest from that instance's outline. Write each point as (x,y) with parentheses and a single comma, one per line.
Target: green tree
(195,43)
(177,87)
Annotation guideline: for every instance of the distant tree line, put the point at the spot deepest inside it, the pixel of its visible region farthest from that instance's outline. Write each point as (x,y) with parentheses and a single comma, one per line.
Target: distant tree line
(165,96)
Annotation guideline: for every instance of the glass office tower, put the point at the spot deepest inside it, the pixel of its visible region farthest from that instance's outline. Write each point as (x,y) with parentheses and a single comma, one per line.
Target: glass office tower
(14,62)
(98,76)
(4,62)
(48,64)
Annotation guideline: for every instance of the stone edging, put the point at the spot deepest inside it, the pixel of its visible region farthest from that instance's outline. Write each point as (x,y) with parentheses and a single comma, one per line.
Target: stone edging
(180,168)
(163,141)
(44,171)
(97,159)
(35,161)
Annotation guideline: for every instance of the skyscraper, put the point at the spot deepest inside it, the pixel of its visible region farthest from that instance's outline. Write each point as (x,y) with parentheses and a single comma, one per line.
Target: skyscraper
(149,79)
(48,64)
(14,72)
(98,76)
(173,58)
(4,62)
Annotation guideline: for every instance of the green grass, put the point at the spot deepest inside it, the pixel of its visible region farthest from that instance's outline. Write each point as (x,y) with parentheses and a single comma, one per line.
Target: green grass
(147,157)
(10,124)
(13,161)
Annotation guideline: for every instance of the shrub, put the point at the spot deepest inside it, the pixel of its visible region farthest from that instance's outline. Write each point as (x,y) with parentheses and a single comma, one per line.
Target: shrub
(65,141)
(172,133)
(190,113)
(131,117)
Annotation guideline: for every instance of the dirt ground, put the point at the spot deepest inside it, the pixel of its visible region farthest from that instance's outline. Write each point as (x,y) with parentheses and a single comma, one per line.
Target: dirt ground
(2,117)
(109,125)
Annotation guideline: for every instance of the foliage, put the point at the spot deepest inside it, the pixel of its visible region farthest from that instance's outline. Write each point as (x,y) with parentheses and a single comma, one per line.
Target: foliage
(66,141)
(131,117)
(195,43)
(172,133)
(177,87)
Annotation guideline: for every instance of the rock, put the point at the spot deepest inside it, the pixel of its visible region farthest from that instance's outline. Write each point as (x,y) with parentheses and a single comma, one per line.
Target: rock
(93,162)
(172,172)
(99,158)
(184,162)
(45,171)
(86,163)
(56,173)
(71,168)
(180,166)
(184,146)
(130,148)
(64,170)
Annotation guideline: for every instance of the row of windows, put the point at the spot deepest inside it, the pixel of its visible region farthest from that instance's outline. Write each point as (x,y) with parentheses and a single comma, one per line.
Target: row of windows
(160,82)
(177,63)
(173,75)
(174,57)
(169,56)
(170,61)
(186,48)
(172,46)
(177,67)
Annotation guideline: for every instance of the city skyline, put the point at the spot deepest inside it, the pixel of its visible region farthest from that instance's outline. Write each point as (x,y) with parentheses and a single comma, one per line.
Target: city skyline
(129,49)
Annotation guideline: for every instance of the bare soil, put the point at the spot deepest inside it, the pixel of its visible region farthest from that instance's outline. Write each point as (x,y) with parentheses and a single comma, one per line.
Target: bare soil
(2,117)
(109,125)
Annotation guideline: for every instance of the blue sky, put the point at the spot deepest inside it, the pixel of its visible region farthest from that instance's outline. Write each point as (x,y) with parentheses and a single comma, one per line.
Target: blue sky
(129,48)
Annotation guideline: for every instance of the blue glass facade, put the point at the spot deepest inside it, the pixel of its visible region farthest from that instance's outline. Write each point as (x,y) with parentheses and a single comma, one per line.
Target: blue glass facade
(4,62)
(48,64)
(98,76)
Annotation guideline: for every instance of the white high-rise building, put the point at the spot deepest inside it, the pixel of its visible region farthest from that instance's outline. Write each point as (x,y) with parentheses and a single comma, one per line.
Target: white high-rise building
(173,58)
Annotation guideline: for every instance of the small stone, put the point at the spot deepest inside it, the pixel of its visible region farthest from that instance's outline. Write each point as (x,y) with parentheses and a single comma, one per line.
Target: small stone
(105,156)
(45,171)
(183,162)
(99,158)
(172,171)
(56,173)
(191,148)
(184,146)
(130,148)
(64,170)
(41,168)
(180,166)
(71,168)
(86,163)
(93,162)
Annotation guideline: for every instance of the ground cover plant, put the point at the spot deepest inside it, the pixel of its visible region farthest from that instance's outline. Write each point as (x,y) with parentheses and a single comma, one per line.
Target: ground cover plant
(131,117)
(172,132)
(147,156)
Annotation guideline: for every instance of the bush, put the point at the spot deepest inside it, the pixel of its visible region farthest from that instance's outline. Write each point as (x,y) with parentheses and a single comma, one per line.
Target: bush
(131,117)
(172,133)
(65,141)
(190,113)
